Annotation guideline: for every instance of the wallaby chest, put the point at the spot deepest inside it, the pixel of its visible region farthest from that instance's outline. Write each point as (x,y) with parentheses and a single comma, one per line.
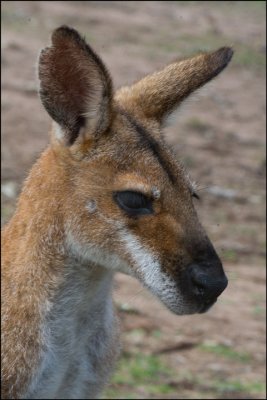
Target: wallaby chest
(81,341)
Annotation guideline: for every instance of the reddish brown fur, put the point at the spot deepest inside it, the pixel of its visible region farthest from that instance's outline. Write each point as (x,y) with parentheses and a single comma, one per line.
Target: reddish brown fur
(98,154)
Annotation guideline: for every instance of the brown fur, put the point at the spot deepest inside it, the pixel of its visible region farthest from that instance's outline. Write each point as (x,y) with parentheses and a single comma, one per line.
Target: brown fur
(102,144)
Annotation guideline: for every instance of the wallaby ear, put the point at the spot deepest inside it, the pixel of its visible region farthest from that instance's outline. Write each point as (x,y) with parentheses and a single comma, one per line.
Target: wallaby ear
(75,86)
(157,95)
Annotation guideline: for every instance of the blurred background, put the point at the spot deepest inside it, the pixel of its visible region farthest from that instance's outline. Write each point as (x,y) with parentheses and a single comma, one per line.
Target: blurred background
(219,134)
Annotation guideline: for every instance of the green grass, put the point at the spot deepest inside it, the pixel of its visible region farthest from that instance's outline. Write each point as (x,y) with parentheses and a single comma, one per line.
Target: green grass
(237,386)
(218,388)
(140,370)
(143,368)
(140,374)
(226,351)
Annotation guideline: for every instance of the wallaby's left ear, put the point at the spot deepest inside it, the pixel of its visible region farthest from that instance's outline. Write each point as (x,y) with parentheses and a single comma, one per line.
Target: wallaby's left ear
(75,86)
(157,95)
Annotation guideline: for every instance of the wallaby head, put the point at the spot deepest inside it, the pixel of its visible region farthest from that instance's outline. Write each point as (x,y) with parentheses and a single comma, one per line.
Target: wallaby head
(127,203)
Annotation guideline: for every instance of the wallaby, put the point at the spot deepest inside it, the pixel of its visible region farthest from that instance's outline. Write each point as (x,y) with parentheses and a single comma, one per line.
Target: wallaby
(107,195)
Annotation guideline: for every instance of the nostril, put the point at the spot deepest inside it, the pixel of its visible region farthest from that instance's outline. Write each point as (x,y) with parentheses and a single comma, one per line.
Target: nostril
(209,284)
(199,287)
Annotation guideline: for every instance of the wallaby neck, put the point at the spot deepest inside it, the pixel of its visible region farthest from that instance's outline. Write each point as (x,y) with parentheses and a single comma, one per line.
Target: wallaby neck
(52,293)
(39,226)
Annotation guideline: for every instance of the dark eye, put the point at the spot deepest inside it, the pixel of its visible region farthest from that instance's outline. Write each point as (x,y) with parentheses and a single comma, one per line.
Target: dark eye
(134,203)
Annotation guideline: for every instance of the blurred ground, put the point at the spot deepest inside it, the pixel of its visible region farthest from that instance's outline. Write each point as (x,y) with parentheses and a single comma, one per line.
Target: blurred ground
(219,134)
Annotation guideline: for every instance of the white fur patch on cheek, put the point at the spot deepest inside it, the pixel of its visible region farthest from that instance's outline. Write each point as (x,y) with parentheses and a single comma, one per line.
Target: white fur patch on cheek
(148,270)
(147,264)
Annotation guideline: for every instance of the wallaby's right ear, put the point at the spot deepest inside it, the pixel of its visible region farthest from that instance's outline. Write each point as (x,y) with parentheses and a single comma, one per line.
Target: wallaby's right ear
(75,86)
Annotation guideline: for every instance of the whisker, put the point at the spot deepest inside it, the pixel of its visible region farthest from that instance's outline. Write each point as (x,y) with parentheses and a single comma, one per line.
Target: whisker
(203,188)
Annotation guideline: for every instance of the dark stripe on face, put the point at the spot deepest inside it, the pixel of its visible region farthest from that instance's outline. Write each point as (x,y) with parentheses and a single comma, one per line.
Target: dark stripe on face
(148,142)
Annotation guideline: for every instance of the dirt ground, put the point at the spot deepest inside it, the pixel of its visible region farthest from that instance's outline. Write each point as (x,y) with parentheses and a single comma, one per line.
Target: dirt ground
(219,134)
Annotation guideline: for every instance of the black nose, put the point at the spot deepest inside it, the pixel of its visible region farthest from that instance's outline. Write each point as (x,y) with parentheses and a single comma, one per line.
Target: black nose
(206,283)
